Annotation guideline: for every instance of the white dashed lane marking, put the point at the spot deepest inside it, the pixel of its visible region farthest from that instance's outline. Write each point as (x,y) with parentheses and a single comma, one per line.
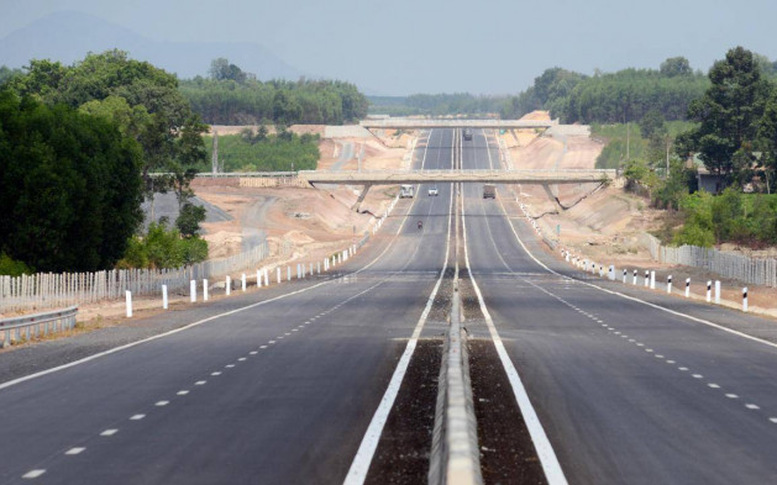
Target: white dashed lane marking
(33,474)
(137,417)
(217,373)
(109,432)
(732,396)
(75,450)
(752,406)
(713,385)
(161,403)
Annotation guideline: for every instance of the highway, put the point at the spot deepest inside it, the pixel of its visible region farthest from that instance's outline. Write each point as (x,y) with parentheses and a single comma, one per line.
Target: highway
(281,392)
(289,385)
(627,393)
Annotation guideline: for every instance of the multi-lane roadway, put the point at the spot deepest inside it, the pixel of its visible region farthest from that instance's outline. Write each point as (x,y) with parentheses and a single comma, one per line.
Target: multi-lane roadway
(294,384)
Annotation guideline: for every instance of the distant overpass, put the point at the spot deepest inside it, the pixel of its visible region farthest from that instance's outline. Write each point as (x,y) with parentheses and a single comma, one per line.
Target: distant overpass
(420,124)
(393,177)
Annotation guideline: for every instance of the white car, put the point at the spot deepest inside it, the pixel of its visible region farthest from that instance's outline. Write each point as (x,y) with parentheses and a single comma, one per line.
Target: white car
(432,192)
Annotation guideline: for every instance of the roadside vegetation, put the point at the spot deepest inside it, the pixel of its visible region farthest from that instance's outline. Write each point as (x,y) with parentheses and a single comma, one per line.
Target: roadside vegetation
(258,151)
(229,96)
(78,145)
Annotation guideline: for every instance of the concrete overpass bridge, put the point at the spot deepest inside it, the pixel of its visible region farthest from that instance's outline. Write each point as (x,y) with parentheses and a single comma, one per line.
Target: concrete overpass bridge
(548,179)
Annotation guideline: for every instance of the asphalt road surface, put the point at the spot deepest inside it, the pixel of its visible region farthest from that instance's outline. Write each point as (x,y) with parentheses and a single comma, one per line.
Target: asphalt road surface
(627,393)
(279,393)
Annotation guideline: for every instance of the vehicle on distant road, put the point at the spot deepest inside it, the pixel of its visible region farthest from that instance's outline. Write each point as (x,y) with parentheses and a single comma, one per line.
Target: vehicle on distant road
(420,225)
(406,191)
(432,192)
(467,134)
(489,191)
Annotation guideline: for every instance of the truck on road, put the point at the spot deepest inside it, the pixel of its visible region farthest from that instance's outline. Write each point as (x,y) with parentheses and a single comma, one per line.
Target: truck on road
(489,191)
(467,134)
(406,191)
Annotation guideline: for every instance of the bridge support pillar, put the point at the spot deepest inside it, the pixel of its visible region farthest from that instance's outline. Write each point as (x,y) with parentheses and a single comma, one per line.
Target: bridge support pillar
(552,191)
(361,197)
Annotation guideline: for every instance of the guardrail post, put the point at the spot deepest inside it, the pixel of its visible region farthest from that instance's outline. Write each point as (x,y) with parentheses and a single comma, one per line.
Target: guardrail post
(128,300)
(205,289)
(687,287)
(744,299)
(717,291)
(164,297)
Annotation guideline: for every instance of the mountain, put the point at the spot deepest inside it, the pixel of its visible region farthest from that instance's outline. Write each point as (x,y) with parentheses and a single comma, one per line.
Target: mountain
(67,36)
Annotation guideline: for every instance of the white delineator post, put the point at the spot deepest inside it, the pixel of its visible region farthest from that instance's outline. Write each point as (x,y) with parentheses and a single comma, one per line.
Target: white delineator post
(625,273)
(669,284)
(128,299)
(717,291)
(266,277)
(278,271)
(652,280)
(193,291)
(258,278)
(647,278)
(243,282)
(687,287)
(205,289)
(744,299)
(709,291)
(288,273)
(164,297)
(229,285)
(635,277)
(318,267)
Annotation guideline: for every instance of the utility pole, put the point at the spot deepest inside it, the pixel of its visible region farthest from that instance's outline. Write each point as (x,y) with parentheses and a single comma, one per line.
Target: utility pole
(215,157)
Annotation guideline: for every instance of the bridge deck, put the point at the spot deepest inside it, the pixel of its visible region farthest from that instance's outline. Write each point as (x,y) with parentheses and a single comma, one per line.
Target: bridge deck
(386,177)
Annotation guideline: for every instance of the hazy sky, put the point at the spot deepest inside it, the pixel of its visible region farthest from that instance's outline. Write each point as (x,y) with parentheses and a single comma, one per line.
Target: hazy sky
(406,46)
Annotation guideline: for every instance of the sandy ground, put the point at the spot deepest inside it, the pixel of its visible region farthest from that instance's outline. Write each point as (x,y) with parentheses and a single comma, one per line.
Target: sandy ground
(301,224)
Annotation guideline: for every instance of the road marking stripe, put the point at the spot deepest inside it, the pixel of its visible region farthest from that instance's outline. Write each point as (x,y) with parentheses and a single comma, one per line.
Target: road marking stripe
(109,432)
(360,466)
(75,451)
(550,464)
(34,473)
(182,393)
(162,403)
(137,417)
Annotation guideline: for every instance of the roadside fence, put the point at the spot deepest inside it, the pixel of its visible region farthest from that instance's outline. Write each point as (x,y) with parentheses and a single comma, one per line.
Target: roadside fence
(47,290)
(755,271)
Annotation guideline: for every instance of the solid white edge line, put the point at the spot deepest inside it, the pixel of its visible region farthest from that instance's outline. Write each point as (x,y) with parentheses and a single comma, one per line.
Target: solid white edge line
(360,466)
(42,373)
(550,464)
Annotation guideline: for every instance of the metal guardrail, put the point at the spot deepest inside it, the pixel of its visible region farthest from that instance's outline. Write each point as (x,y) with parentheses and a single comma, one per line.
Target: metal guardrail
(33,326)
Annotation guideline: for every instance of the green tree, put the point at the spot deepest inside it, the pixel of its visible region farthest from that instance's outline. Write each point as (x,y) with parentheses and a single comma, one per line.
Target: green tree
(188,221)
(728,114)
(69,186)
(676,66)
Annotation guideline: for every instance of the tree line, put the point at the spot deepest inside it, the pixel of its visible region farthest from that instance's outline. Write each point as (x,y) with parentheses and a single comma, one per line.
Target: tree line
(620,97)
(230,96)
(436,104)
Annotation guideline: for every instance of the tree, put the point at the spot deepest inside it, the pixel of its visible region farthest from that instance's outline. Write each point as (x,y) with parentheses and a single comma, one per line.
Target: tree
(676,66)
(143,100)
(222,70)
(729,115)
(188,221)
(69,186)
